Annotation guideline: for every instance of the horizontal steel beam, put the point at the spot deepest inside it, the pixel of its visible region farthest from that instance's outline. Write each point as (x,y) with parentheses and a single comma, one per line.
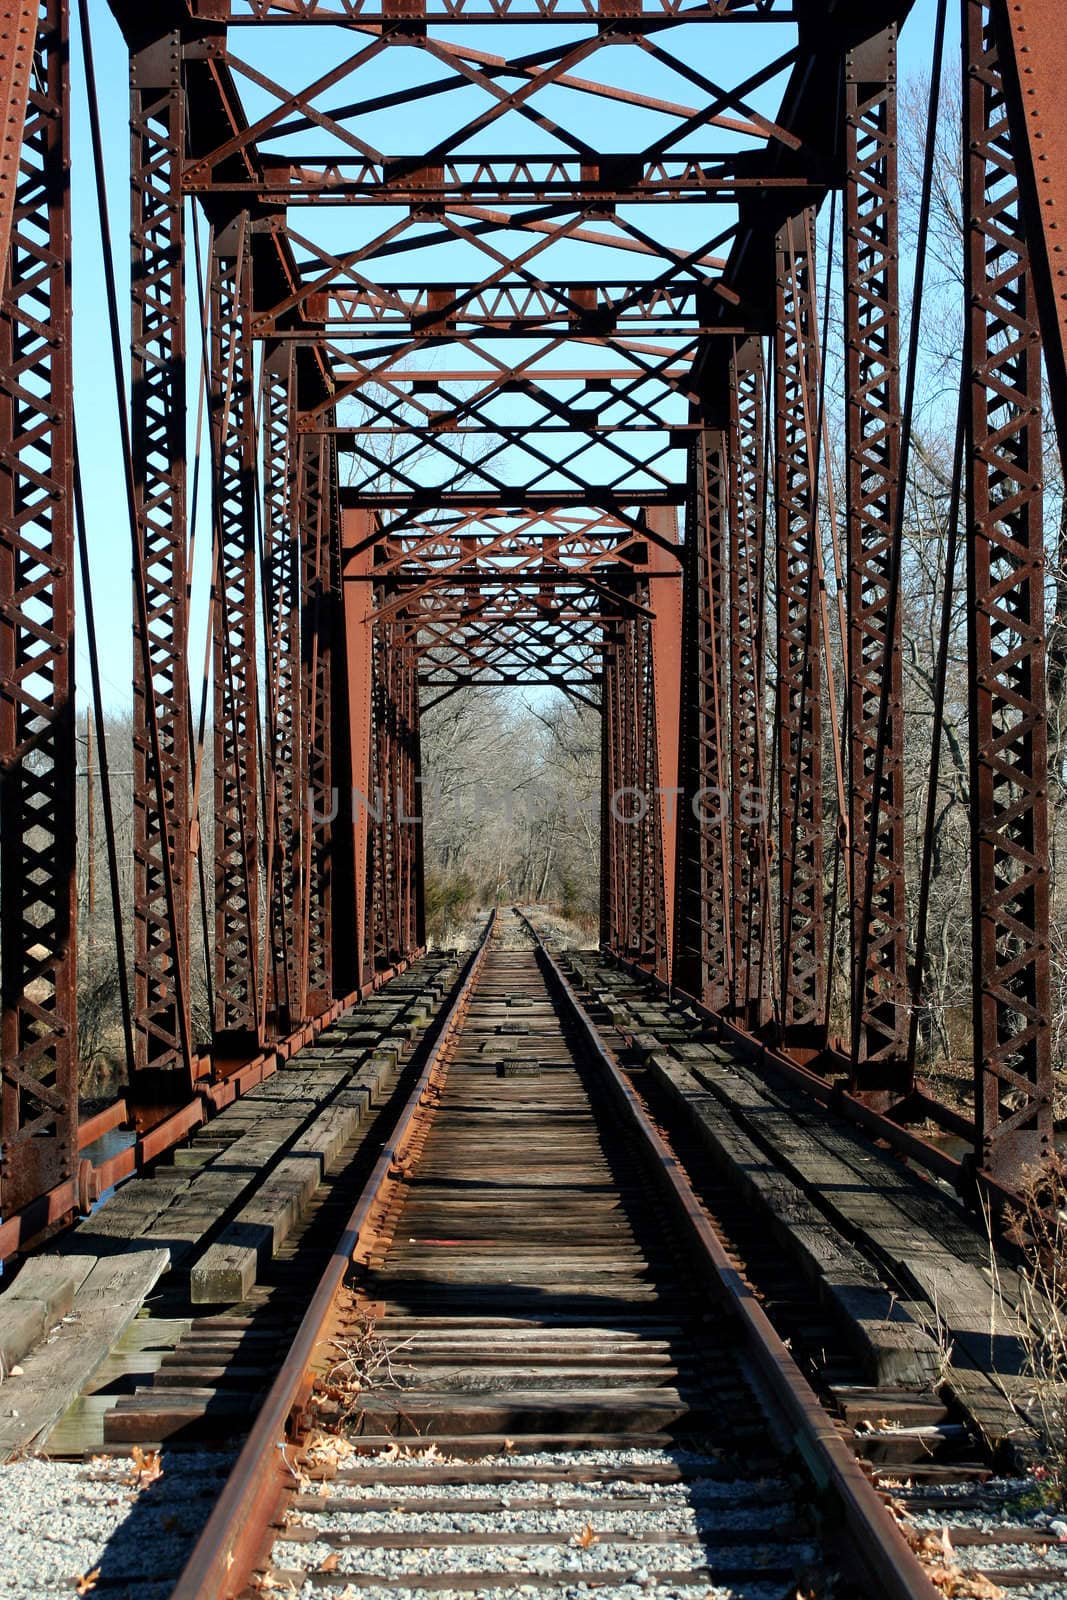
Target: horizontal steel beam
(603,12)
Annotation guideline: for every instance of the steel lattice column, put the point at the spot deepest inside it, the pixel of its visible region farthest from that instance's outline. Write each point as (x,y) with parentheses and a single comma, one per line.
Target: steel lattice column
(1006,642)
(611,781)
(665,599)
(872,370)
(703,964)
(234,653)
(631,813)
(317,526)
(800,845)
(411,878)
(749,802)
(357,561)
(161,948)
(282,612)
(37,748)
(649,932)
(398,836)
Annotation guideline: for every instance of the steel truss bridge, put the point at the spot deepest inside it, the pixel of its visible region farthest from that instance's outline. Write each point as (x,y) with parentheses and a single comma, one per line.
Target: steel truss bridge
(490,403)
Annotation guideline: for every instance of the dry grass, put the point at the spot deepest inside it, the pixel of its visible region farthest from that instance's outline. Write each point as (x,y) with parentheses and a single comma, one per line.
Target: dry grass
(1039,1228)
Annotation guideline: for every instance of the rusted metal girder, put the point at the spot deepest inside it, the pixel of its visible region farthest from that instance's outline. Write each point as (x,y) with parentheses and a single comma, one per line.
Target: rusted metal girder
(394,798)
(703,959)
(18,43)
(749,801)
(317,538)
(161,843)
(38,1042)
(234,665)
(1008,726)
(1032,47)
(873,421)
(802,948)
(358,548)
(665,601)
(518,11)
(285,748)
(633,802)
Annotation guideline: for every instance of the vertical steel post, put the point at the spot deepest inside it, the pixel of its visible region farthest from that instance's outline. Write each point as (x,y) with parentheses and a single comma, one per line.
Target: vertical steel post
(872,373)
(610,783)
(703,960)
(1006,633)
(800,842)
(234,668)
(1032,44)
(38,988)
(357,560)
(665,598)
(317,502)
(411,828)
(157,437)
(18,29)
(749,802)
(284,744)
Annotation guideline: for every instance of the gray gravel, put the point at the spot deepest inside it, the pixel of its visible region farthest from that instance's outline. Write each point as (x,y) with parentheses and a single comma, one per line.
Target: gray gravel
(688,1516)
(1017,1501)
(60,1520)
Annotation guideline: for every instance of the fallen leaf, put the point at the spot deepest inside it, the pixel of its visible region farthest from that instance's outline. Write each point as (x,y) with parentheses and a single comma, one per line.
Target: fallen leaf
(329,1563)
(147,1467)
(955,1584)
(87,1581)
(586,1538)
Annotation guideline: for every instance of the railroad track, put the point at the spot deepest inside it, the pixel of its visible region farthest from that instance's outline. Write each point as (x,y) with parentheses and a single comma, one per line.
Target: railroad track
(531,1360)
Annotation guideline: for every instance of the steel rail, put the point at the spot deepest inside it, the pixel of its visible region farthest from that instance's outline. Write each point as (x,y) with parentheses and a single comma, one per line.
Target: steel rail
(223,1559)
(890,1566)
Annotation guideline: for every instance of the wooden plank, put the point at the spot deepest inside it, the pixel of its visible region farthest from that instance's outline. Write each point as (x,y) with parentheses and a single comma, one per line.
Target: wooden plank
(41,1294)
(892,1347)
(108,1300)
(228,1269)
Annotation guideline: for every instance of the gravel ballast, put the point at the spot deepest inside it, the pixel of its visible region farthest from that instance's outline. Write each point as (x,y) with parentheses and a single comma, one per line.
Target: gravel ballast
(614,1537)
(61,1520)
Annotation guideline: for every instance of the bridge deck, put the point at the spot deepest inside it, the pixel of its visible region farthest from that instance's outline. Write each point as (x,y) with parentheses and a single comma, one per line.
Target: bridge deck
(898,1276)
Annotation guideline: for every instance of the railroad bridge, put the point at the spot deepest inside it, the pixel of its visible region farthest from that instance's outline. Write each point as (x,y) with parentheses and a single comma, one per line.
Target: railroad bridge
(564,345)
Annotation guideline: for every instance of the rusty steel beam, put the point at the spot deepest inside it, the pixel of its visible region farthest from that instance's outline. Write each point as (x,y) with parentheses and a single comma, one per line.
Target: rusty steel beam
(872,431)
(1008,715)
(626,794)
(518,11)
(749,800)
(703,959)
(665,599)
(284,746)
(802,947)
(357,560)
(38,986)
(1032,46)
(160,675)
(316,528)
(18,43)
(622,177)
(234,664)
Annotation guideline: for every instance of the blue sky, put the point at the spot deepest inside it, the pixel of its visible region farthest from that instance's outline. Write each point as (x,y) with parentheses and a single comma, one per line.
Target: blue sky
(296,56)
